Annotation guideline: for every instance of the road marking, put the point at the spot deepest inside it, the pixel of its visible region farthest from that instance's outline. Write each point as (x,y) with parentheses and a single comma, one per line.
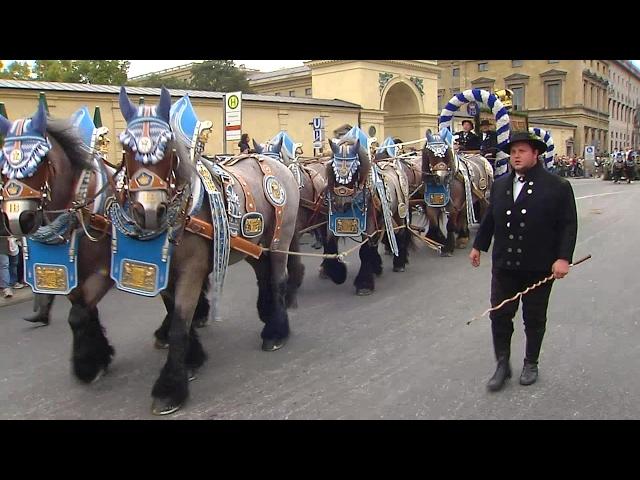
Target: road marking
(598,195)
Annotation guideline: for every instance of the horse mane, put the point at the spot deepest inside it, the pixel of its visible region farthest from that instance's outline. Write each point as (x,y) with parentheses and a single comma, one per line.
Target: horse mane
(65,134)
(185,170)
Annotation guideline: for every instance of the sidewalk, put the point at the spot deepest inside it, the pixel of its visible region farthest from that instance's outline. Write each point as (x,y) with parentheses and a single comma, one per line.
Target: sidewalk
(19,296)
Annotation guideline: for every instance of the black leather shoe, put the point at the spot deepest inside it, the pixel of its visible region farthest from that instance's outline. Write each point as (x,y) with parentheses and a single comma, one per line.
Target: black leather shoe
(500,377)
(529,373)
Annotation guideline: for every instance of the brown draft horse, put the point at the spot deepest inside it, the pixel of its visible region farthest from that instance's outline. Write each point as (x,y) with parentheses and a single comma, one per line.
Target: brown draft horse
(149,145)
(349,189)
(441,168)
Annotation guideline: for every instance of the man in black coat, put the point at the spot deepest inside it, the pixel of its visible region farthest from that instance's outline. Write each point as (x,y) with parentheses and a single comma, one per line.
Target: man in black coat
(532,217)
(488,142)
(467,140)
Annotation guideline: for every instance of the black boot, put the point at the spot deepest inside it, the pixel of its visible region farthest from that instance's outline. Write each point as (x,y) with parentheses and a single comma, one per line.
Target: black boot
(529,373)
(500,377)
(534,344)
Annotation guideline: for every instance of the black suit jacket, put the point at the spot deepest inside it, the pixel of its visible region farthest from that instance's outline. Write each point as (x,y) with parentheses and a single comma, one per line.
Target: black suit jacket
(537,229)
(489,145)
(468,141)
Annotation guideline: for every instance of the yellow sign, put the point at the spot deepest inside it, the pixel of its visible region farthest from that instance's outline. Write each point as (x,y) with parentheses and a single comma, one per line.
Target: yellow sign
(233,102)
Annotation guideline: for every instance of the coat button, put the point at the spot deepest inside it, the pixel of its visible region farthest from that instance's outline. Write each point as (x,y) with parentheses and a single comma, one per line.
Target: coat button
(530,183)
(519,250)
(508,262)
(508,224)
(529,191)
(508,192)
(510,237)
(508,212)
(509,249)
(519,237)
(517,264)
(522,224)
(523,211)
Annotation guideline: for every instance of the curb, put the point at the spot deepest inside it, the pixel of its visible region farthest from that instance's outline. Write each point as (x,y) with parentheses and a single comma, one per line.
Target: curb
(19,296)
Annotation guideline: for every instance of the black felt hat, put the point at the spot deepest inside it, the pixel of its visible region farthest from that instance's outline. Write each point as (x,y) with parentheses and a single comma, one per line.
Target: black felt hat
(530,138)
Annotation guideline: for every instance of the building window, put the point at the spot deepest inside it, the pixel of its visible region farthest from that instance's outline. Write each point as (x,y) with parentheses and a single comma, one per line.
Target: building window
(277,94)
(483,67)
(516,63)
(518,97)
(553,94)
(455,72)
(292,93)
(307,91)
(553,61)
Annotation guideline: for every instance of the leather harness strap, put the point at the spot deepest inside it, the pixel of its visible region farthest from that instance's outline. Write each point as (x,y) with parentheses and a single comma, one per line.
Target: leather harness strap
(205,229)
(279,210)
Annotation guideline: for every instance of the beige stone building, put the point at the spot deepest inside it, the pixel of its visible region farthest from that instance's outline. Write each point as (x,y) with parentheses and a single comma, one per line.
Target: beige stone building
(262,115)
(585,97)
(624,95)
(398,97)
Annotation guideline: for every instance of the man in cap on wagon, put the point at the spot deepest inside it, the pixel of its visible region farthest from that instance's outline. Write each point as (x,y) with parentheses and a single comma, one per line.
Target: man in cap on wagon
(467,140)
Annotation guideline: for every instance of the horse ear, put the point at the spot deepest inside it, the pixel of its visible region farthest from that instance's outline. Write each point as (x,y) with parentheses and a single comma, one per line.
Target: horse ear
(5,126)
(128,109)
(334,147)
(256,146)
(165,104)
(39,120)
(278,146)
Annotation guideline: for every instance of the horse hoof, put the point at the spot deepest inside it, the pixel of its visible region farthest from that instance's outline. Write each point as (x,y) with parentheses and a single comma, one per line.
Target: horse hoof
(164,407)
(98,376)
(269,345)
(446,254)
(160,344)
(191,375)
(201,322)
(363,292)
(398,269)
(322,274)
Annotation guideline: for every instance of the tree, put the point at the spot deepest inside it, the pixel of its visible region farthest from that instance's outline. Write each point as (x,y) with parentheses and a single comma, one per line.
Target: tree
(17,71)
(102,72)
(219,76)
(157,82)
(54,70)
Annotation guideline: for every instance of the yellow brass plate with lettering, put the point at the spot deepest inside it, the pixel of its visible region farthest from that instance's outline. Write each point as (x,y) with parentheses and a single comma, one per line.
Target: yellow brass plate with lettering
(53,278)
(139,275)
(347,225)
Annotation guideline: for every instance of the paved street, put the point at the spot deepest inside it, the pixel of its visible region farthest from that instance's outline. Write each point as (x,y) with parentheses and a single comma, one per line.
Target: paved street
(403,353)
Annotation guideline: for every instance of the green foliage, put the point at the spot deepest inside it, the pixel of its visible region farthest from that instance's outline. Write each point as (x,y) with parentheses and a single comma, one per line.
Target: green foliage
(103,72)
(219,76)
(157,82)
(16,71)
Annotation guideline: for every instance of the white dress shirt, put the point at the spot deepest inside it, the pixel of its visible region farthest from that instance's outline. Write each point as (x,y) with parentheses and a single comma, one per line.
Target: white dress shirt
(517,186)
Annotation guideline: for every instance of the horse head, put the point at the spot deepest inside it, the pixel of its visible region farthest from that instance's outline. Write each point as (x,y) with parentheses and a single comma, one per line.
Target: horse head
(149,158)
(437,160)
(272,148)
(40,162)
(388,149)
(346,174)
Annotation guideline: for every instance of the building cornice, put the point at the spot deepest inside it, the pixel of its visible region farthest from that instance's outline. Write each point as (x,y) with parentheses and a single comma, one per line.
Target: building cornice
(425,65)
